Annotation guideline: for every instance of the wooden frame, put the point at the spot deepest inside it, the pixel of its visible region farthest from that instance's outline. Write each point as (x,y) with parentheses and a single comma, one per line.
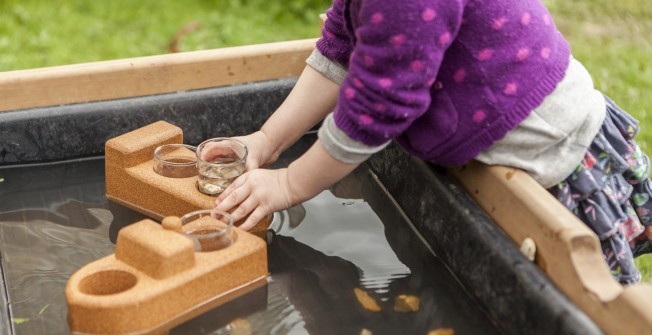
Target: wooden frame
(152,75)
(567,251)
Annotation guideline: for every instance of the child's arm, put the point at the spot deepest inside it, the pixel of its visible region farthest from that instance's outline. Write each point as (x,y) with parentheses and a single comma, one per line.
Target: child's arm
(313,97)
(261,191)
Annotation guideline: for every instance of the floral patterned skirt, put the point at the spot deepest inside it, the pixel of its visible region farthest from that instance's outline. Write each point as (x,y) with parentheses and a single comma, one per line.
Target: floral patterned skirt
(610,191)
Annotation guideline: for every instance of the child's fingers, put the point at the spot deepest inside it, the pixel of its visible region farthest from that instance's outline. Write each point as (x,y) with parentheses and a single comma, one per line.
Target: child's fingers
(234,198)
(245,207)
(227,192)
(258,214)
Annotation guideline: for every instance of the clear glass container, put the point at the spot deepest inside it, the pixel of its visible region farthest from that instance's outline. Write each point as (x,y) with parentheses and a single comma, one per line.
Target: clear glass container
(209,230)
(175,160)
(219,162)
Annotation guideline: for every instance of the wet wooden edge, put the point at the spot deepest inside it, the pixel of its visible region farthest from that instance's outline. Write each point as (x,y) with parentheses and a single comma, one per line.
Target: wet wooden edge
(150,75)
(566,250)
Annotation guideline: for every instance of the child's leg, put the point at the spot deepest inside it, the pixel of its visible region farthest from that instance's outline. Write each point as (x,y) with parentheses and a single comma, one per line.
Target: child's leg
(637,175)
(603,220)
(610,191)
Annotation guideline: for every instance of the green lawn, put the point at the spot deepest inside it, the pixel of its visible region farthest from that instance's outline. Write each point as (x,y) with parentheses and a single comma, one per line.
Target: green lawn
(612,38)
(38,33)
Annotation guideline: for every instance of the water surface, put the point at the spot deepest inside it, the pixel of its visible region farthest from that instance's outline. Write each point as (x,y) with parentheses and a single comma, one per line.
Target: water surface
(54,219)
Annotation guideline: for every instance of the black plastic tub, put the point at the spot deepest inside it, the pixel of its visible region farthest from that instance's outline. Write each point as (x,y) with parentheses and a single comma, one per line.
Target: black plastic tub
(395,226)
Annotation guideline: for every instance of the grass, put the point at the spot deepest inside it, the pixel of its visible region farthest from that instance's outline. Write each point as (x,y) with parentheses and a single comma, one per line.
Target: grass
(613,39)
(40,33)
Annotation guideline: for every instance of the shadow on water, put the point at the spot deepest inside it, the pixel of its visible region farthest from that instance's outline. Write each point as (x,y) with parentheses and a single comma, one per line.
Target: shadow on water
(54,219)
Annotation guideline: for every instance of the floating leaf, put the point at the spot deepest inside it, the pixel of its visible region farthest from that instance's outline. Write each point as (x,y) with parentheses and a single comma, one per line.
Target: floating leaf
(442,331)
(366,300)
(406,303)
(19,320)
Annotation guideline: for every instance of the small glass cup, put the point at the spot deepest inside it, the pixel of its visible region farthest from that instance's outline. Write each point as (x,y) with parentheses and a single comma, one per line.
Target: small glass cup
(175,161)
(209,230)
(227,161)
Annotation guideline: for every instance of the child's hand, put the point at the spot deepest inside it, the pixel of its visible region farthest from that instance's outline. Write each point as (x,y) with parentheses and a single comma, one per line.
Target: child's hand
(261,192)
(260,150)
(256,193)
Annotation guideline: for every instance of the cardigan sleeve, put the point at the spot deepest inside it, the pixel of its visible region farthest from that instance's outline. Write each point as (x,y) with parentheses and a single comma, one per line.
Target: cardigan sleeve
(336,44)
(393,66)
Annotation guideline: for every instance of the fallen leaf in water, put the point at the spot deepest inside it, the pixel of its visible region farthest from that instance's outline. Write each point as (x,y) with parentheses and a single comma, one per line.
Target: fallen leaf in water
(406,303)
(240,327)
(367,301)
(19,320)
(442,331)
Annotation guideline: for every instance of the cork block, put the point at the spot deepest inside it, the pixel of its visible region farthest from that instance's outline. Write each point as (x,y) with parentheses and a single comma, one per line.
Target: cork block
(160,255)
(156,280)
(132,182)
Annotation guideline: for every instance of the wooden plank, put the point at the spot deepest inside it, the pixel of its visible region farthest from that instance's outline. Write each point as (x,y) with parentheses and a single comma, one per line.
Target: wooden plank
(567,251)
(152,75)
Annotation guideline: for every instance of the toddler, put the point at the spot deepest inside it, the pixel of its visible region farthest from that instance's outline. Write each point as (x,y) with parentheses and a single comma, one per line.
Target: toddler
(452,81)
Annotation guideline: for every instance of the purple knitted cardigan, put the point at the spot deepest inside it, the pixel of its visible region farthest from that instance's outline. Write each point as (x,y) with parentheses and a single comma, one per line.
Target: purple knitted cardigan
(446,79)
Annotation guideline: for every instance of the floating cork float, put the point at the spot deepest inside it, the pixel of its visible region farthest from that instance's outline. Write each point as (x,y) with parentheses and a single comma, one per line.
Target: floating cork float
(157,185)
(157,279)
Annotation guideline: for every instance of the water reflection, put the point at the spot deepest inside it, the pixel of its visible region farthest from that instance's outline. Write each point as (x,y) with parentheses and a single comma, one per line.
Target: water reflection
(348,229)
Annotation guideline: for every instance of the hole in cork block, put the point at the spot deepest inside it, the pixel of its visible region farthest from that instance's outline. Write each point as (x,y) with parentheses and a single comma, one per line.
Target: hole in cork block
(107,282)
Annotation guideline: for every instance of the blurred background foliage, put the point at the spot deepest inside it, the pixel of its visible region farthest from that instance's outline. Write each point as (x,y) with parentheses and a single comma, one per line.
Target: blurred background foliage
(613,39)
(38,33)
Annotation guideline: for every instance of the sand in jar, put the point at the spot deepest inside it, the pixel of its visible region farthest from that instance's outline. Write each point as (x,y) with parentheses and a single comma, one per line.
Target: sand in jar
(219,162)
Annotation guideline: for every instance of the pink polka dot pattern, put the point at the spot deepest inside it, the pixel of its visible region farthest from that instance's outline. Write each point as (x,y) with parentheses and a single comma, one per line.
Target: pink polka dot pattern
(479,116)
(510,89)
(398,40)
(416,65)
(545,53)
(357,83)
(365,119)
(525,18)
(498,23)
(385,82)
(329,35)
(349,93)
(380,107)
(546,20)
(368,60)
(377,18)
(445,38)
(459,75)
(428,15)
(523,54)
(485,54)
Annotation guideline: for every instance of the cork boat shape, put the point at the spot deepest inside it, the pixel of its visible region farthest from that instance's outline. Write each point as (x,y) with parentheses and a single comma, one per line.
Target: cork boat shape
(156,280)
